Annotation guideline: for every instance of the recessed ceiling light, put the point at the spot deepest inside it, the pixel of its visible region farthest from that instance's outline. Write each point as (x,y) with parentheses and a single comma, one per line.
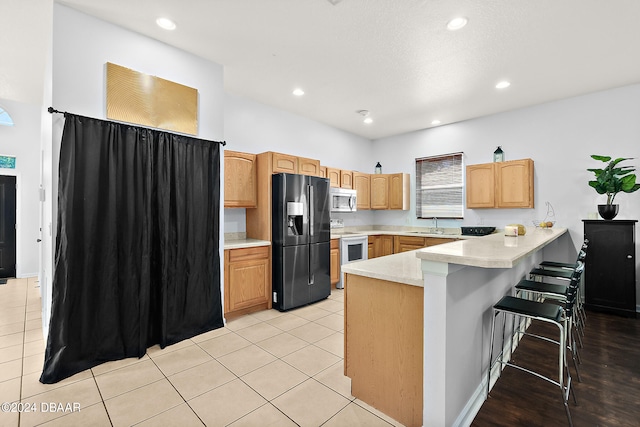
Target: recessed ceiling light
(298,92)
(457,23)
(368,120)
(436,122)
(503,84)
(166,23)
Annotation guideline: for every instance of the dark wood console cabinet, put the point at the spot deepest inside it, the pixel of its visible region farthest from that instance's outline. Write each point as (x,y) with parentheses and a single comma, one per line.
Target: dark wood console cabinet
(610,270)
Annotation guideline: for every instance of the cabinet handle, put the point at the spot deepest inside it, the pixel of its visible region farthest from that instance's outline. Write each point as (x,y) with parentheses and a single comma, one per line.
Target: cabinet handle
(629,256)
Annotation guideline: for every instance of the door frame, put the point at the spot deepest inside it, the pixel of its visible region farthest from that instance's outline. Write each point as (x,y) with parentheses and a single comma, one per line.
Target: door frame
(13,172)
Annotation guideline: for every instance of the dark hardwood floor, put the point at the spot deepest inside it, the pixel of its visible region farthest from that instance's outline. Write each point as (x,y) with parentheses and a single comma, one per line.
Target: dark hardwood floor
(609,394)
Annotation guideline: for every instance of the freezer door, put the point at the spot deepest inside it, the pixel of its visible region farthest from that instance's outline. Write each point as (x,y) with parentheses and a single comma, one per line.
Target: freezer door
(291,276)
(290,209)
(319,210)
(319,271)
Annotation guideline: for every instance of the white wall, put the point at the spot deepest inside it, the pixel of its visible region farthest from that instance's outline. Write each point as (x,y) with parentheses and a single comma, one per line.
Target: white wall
(559,136)
(23,141)
(253,127)
(81,47)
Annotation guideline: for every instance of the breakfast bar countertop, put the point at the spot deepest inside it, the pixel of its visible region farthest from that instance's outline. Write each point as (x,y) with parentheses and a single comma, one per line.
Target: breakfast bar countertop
(492,251)
(401,268)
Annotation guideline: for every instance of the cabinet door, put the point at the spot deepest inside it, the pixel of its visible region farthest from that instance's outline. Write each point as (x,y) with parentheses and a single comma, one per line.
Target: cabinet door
(386,245)
(308,166)
(432,241)
(284,163)
(362,185)
(249,274)
(380,191)
(514,183)
(399,189)
(334,177)
(226,281)
(610,281)
(370,248)
(323,172)
(239,180)
(346,179)
(480,186)
(408,243)
(335,262)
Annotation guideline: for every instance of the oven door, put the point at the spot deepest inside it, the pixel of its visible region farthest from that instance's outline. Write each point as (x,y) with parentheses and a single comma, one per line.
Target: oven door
(354,248)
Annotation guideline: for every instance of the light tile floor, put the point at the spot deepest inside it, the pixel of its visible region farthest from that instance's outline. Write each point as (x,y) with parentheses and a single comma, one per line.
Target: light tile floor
(264,369)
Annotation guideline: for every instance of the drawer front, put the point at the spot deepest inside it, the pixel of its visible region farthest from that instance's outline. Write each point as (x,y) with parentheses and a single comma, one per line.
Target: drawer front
(244,254)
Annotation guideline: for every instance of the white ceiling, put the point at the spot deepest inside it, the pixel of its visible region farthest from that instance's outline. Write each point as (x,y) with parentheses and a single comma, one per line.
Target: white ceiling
(393,58)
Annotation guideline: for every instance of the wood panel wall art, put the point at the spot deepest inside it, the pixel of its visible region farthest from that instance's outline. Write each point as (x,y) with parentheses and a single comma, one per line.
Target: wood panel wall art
(146,100)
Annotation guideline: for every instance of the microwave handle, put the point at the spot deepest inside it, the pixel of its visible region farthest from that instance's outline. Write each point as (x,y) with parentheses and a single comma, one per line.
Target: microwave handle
(311,210)
(351,203)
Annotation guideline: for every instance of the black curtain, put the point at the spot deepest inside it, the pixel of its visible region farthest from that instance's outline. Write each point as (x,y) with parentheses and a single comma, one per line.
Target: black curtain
(137,258)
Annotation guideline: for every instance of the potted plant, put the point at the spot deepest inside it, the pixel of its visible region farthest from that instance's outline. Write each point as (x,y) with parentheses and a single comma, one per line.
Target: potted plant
(611,180)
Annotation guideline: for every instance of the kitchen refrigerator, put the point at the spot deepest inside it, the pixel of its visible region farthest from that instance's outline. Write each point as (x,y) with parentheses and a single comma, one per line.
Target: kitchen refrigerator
(301,240)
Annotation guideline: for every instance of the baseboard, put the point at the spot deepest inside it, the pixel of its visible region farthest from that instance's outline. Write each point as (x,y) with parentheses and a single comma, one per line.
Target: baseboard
(477,399)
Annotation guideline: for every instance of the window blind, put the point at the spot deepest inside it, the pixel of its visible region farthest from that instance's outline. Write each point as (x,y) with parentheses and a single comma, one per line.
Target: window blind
(439,186)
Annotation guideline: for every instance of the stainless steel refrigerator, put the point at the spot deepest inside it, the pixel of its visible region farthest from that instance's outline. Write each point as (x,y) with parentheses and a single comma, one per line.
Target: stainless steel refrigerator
(301,240)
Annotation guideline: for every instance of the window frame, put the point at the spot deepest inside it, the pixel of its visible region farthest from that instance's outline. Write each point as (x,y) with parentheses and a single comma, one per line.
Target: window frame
(458,208)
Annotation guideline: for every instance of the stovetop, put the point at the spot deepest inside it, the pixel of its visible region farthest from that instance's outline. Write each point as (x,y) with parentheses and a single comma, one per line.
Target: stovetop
(476,230)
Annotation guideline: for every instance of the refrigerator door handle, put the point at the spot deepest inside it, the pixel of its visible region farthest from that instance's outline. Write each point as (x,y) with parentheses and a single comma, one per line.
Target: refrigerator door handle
(311,210)
(311,279)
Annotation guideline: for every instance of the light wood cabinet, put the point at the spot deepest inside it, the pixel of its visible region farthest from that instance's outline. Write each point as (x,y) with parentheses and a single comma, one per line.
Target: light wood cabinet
(335,261)
(334,177)
(385,363)
(380,191)
(500,185)
(308,166)
(239,180)
(390,191)
(346,179)
(323,171)
(514,184)
(370,248)
(399,191)
(411,243)
(380,245)
(362,185)
(284,163)
(247,280)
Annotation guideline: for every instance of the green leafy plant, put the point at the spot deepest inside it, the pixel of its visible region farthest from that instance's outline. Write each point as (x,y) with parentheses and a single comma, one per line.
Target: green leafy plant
(613,178)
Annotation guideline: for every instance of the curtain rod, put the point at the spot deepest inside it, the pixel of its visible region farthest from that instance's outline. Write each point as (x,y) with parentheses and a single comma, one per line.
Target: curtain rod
(52,110)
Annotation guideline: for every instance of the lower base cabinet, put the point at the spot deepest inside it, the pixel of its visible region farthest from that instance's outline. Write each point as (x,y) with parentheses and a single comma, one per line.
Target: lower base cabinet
(610,266)
(335,261)
(247,280)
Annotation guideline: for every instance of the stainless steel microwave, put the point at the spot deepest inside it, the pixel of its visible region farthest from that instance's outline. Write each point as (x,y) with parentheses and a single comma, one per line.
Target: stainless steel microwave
(343,200)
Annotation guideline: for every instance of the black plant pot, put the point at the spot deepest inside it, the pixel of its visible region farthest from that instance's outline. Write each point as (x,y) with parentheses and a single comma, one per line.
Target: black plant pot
(608,211)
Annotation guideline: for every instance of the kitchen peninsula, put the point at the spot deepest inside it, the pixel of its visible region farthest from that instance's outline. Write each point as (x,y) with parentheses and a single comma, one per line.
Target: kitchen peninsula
(417,324)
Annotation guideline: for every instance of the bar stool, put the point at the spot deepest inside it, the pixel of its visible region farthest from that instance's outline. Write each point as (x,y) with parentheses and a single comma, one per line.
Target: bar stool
(544,312)
(566,295)
(564,271)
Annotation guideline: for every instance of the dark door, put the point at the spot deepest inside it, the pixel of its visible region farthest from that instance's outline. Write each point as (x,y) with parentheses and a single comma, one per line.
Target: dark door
(319,210)
(7,226)
(295,277)
(319,271)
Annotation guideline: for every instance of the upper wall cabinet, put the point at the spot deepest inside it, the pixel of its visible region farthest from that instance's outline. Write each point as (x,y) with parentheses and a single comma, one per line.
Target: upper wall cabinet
(309,167)
(362,185)
(284,163)
(346,179)
(239,180)
(500,185)
(390,191)
(334,177)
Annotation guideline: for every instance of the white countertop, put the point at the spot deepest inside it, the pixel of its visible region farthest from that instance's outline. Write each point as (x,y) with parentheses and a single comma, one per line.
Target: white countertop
(244,243)
(401,268)
(492,251)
